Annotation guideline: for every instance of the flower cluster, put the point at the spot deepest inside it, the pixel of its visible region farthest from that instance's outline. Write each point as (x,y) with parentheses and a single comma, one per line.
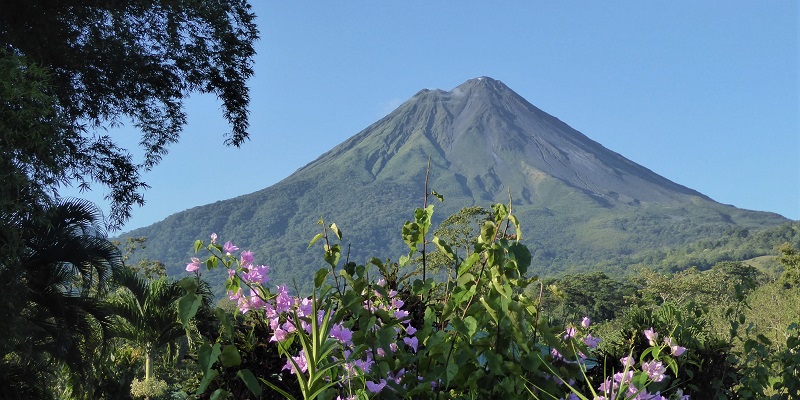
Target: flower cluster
(623,383)
(404,331)
(289,315)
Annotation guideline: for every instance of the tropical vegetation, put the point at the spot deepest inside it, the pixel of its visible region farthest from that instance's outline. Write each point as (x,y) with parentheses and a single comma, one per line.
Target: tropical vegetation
(471,309)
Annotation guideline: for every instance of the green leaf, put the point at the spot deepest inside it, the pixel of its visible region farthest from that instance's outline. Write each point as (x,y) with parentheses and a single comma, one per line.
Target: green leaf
(444,248)
(187,307)
(189,284)
(219,394)
(488,232)
(332,255)
(207,355)
(314,240)
(207,378)
(521,255)
(336,231)
(467,263)
(250,381)
(437,195)
(472,326)
(411,235)
(450,373)
(319,277)
(198,244)
(277,389)
(230,356)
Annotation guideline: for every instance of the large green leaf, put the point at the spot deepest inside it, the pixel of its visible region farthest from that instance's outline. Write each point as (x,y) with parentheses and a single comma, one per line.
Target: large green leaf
(188,306)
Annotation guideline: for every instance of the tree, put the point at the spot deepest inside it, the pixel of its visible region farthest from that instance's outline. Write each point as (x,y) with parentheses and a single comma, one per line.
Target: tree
(94,65)
(790,259)
(457,231)
(593,294)
(146,314)
(51,312)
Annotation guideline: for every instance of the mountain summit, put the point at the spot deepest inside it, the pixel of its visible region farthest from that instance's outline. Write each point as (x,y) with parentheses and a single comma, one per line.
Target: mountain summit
(490,138)
(578,202)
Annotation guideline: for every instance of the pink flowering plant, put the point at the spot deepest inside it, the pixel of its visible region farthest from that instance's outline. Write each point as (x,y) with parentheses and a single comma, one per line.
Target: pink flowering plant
(643,379)
(362,334)
(342,340)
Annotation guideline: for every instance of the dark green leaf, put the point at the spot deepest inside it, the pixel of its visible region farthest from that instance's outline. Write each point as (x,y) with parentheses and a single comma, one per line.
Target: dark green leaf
(187,307)
(230,356)
(250,381)
(319,277)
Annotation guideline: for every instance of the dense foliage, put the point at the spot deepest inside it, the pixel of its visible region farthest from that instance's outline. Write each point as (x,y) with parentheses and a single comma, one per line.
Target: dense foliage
(493,332)
(73,68)
(69,71)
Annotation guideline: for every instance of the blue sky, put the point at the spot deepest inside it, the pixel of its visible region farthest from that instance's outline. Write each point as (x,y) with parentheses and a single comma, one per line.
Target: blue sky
(702,93)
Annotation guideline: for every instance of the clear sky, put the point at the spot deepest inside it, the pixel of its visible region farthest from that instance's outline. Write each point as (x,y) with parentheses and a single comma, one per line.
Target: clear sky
(703,93)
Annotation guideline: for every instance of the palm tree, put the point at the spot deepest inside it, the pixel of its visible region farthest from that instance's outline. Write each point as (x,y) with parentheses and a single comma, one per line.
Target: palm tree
(146,313)
(53,281)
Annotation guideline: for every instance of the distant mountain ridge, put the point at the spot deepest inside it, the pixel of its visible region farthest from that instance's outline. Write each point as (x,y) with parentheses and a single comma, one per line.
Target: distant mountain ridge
(578,202)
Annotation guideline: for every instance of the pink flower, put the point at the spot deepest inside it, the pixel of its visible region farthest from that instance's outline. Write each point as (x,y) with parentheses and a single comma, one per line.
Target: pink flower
(283,302)
(570,333)
(591,341)
(376,387)
(305,308)
(301,362)
(213,238)
(256,302)
(655,370)
(247,258)
(364,365)
(627,362)
(279,335)
(677,351)
(194,265)
(257,274)
(235,296)
(229,248)
(623,378)
(412,342)
(651,335)
(585,322)
(400,314)
(341,333)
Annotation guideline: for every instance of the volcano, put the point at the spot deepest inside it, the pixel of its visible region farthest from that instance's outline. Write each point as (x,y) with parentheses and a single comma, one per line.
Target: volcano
(578,202)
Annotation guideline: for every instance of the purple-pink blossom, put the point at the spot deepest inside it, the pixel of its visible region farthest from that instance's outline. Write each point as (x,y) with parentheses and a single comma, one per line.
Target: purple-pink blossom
(229,248)
(340,332)
(585,322)
(283,302)
(376,387)
(627,362)
(676,350)
(194,265)
(591,341)
(569,333)
(655,370)
(257,274)
(412,342)
(279,335)
(301,362)
(651,336)
(247,258)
